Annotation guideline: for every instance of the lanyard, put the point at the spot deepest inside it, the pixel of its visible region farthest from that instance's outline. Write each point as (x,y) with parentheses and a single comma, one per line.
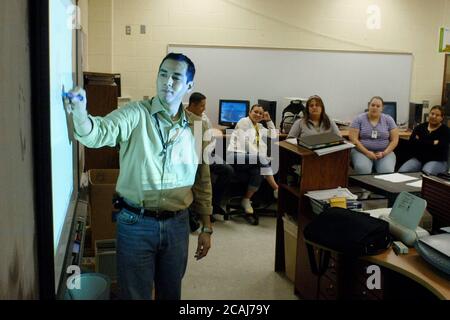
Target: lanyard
(167,143)
(164,143)
(163,154)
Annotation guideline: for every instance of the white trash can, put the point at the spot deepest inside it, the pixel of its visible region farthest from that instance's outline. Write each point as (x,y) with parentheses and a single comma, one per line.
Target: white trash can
(90,286)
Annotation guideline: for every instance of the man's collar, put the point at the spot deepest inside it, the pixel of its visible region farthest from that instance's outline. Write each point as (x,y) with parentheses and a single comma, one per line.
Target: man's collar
(156,106)
(190,114)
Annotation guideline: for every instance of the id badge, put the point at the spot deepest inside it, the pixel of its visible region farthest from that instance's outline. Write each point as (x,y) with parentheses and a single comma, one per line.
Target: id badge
(374,134)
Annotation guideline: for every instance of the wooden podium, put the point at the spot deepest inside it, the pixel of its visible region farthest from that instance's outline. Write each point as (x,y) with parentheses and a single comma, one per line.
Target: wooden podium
(317,173)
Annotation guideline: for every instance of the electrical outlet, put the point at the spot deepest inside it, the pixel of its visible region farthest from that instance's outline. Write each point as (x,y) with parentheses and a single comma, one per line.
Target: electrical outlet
(128,30)
(142,28)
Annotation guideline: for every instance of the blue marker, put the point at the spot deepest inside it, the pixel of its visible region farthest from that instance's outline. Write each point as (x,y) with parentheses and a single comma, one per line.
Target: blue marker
(71,96)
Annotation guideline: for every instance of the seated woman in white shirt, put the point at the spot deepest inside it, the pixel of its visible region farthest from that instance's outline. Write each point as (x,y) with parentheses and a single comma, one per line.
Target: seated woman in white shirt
(249,150)
(315,120)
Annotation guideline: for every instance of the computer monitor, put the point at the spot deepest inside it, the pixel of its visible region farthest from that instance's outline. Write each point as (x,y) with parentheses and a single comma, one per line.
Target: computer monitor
(415,114)
(270,107)
(390,108)
(231,111)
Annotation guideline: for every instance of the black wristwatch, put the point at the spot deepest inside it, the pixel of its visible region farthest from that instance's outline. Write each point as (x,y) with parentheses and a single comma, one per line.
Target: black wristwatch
(207,230)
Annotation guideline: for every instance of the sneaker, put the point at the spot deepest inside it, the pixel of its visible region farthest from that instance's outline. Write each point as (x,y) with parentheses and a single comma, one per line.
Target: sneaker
(275,193)
(247,205)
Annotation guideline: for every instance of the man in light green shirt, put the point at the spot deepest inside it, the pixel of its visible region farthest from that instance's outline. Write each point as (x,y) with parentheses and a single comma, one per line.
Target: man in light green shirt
(161,175)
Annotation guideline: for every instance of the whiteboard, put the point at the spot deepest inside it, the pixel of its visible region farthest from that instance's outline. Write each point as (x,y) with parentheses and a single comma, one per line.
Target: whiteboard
(64,164)
(346,80)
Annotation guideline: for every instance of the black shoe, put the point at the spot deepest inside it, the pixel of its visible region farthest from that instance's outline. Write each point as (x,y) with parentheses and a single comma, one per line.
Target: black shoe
(251,219)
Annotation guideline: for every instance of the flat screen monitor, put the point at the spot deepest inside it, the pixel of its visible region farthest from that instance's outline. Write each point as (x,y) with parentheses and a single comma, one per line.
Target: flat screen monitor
(270,107)
(231,111)
(390,108)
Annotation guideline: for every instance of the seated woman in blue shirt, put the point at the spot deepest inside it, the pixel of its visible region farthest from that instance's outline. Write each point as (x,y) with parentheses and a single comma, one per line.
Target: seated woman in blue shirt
(375,136)
(429,145)
(315,120)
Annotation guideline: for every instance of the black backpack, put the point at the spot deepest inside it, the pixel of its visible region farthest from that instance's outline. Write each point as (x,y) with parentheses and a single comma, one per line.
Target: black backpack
(348,232)
(290,114)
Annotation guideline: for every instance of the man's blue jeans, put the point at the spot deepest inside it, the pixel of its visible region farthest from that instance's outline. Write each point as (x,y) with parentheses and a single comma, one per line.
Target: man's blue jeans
(151,251)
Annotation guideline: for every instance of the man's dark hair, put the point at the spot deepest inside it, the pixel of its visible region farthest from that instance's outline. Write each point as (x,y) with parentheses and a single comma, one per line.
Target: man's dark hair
(196,97)
(181,57)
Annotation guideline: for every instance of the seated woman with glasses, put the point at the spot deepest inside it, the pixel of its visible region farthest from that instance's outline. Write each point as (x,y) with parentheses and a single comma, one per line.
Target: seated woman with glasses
(429,145)
(315,120)
(249,151)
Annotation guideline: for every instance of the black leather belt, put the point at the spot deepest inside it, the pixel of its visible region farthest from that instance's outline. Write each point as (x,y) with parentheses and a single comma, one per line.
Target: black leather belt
(160,215)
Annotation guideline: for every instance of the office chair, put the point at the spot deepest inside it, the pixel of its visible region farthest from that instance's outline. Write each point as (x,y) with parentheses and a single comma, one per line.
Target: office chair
(261,201)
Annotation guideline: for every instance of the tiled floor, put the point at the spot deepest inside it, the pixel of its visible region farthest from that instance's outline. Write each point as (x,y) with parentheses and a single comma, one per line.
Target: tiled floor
(240,264)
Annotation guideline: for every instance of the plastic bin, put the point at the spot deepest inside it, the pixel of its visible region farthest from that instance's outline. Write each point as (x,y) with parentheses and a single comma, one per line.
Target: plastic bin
(92,286)
(290,246)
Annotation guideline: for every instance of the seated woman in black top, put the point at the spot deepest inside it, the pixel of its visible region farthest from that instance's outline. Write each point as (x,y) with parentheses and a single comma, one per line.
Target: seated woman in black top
(429,145)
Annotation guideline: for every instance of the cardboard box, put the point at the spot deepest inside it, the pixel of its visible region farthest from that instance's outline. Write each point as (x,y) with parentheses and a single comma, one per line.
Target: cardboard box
(290,246)
(102,186)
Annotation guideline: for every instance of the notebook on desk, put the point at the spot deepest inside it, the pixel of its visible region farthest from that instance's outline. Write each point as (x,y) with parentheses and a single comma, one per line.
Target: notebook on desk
(321,140)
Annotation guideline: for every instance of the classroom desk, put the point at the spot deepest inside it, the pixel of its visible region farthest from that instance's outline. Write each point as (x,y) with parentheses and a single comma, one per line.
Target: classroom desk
(385,188)
(402,150)
(436,192)
(414,267)
(402,277)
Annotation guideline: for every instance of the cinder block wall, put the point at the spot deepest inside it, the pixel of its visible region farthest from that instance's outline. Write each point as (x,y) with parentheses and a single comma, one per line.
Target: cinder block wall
(405,25)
